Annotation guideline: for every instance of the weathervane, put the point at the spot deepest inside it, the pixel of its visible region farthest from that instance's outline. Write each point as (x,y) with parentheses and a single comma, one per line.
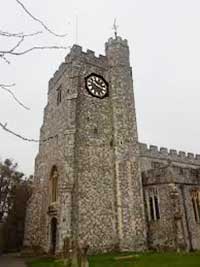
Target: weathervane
(115,27)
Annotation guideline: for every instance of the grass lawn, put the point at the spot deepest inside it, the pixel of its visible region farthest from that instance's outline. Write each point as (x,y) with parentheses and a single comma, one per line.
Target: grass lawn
(132,260)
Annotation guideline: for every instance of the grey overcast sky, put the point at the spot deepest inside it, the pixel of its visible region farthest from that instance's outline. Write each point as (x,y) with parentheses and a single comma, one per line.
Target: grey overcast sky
(164,43)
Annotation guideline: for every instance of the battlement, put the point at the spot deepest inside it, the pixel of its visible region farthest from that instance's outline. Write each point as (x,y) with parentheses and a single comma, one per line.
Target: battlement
(113,41)
(168,154)
(89,55)
(76,52)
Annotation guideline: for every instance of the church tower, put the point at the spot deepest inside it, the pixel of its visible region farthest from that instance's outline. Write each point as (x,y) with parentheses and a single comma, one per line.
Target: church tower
(87,170)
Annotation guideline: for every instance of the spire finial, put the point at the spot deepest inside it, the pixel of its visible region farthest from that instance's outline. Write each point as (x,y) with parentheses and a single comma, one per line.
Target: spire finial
(115,27)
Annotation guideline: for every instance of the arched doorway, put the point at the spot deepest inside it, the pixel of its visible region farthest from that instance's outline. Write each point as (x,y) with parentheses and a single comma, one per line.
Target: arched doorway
(53,235)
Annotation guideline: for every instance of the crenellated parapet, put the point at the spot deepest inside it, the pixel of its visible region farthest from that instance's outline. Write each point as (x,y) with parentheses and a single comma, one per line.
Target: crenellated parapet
(163,153)
(77,53)
(115,41)
(117,52)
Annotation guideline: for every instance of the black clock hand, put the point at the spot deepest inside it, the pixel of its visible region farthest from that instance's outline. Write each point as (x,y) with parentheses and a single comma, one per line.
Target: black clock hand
(97,85)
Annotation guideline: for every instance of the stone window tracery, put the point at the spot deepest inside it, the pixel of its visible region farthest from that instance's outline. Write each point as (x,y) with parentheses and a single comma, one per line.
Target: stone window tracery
(153,206)
(196,205)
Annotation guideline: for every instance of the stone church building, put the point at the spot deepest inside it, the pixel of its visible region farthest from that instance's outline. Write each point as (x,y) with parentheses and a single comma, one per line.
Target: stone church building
(94,181)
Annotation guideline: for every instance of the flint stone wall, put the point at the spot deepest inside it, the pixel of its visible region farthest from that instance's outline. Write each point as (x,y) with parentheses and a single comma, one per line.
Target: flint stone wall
(93,144)
(178,170)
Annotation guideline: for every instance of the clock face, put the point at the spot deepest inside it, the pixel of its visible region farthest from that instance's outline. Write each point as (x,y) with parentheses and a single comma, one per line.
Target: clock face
(96,85)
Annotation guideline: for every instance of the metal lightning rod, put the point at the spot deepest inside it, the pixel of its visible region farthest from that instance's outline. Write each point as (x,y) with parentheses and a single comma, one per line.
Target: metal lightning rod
(76,26)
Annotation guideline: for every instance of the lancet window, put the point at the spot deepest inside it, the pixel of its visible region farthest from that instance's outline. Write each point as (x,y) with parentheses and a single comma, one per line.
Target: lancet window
(54,184)
(153,204)
(59,94)
(196,205)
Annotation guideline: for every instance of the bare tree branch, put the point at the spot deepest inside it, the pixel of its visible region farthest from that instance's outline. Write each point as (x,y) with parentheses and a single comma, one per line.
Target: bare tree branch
(4,58)
(16,50)
(39,21)
(6,88)
(8,34)
(18,44)
(4,126)
(22,36)
(10,52)
(7,85)
(18,35)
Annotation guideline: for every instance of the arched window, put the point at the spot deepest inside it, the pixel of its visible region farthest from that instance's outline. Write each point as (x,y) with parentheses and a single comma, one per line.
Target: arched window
(153,205)
(194,208)
(54,184)
(196,205)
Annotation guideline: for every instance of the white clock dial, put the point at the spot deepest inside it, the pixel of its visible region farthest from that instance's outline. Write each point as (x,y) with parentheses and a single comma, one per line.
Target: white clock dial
(96,85)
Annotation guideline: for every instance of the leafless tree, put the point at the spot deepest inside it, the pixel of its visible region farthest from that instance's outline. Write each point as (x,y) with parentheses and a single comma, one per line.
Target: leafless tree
(6,56)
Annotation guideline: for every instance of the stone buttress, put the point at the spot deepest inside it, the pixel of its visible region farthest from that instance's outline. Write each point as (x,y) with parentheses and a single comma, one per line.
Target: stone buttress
(128,184)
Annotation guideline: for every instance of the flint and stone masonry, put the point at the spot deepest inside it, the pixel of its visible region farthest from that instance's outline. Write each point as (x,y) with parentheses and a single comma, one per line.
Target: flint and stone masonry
(94,182)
